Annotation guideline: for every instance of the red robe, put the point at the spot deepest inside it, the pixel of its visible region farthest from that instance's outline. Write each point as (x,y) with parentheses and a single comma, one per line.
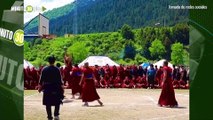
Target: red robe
(76,77)
(117,82)
(127,83)
(167,96)
(139,83)
(159,76)
(121,72)
(114,72)
(175,84)
(110,82)
(103,83)
(89,92)
(182,84)
(67,76)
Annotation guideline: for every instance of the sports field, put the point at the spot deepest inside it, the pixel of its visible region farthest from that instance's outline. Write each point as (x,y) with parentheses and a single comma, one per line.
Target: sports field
(119,104)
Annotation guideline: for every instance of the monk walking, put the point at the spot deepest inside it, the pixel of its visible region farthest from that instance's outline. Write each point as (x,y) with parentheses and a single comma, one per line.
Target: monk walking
(51,84)
(89,92)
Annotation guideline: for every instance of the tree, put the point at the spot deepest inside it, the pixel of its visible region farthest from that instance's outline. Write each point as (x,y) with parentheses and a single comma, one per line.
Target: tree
(140,59)
(181,33)
(129,51)
(78,51)
(157,49)
(177,54)
(126,32)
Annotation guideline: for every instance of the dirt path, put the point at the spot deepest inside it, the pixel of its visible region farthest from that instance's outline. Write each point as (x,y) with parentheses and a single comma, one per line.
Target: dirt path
(119,104)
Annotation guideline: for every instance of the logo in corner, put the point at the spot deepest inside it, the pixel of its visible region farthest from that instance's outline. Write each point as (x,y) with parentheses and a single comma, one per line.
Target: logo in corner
(18,37)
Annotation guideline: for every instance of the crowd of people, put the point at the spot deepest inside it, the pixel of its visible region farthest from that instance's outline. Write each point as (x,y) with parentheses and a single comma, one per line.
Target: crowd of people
(113,76)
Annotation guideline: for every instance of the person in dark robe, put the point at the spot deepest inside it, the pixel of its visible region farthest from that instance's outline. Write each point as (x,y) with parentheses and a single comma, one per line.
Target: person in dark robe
(89,92)
(151,74)
(140,71)
(174,73)
(183,74)
(51,85)
(167,96)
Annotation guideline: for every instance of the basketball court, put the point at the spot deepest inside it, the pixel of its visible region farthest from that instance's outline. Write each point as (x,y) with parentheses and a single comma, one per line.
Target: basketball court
(119,104)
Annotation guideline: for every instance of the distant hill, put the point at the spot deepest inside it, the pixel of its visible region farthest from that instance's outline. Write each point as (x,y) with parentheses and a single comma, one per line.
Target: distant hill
(93,16)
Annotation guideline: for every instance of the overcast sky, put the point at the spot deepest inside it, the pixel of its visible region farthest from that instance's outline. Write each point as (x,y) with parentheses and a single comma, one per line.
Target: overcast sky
(49,4)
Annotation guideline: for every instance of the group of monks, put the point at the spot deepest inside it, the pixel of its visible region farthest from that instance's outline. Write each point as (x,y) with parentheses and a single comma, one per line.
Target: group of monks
(113,76)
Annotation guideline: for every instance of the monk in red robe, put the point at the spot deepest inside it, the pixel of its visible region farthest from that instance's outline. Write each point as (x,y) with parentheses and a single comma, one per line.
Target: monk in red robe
(175,84)
(108,71)
(126,83)
(67,70)
(97,76)
(89,92)
(35,75)
(139,82)
(121,72)
(110,82)
(117,82)
(67,76)
(114,71)
(167,96)
(76,77)
(103,82)
(182,84)
(144,82)
(159,76)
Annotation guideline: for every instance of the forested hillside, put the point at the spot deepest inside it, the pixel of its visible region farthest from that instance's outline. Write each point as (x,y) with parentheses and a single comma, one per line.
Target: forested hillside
(126,46)
(94,16)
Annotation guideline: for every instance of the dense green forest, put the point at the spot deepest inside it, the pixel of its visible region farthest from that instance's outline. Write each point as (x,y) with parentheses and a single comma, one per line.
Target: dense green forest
(126,46)
(92,16)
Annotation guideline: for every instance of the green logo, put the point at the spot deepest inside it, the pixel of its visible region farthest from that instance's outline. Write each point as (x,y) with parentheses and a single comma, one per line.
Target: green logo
(18,37)
(29,8)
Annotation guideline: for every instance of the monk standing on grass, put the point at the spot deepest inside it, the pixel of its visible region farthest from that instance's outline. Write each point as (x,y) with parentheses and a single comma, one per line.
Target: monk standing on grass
(167,97)
(89,92)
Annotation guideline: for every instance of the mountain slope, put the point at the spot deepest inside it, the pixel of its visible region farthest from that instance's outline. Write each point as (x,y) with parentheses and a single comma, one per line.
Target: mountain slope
(91,16)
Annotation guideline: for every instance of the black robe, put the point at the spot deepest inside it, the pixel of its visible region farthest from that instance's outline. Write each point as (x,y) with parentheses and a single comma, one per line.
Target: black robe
(51,84)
